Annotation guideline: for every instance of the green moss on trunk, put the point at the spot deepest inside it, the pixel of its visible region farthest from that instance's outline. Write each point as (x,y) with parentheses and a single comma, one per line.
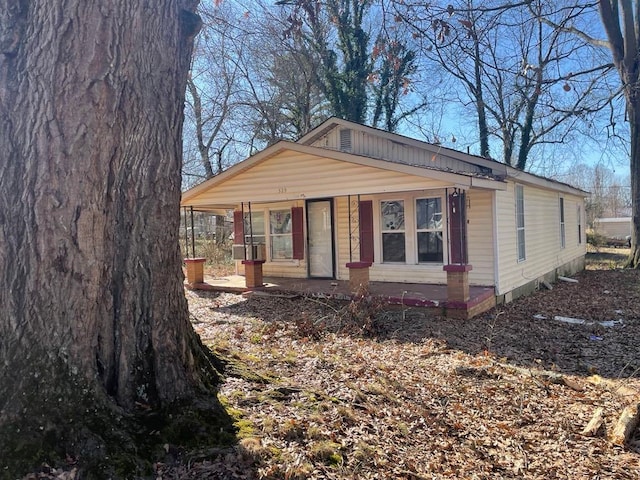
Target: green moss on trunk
(64,422)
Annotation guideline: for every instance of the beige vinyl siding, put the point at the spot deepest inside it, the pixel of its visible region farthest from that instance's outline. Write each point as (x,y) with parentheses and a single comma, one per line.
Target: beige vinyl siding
(293,175)
(277,268)
(373,146)
(542,235)
(480,237)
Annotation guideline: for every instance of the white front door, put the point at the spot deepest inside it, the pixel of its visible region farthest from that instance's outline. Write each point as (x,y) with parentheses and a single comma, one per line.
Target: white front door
(320,233)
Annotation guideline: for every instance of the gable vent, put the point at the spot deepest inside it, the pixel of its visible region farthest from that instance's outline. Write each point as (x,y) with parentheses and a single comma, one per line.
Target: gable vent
(345,139)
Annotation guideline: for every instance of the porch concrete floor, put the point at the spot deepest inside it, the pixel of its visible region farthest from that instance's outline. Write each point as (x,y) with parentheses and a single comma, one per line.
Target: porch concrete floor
(411,294)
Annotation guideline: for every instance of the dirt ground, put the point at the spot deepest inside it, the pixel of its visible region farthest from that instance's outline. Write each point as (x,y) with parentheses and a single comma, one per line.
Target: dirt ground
(326,390)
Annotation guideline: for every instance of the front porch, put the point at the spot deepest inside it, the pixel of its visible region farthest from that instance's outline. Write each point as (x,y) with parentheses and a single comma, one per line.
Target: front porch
(432,296)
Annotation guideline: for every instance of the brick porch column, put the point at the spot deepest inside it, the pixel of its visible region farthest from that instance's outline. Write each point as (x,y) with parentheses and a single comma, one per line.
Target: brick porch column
(358,275)
(195,270)
(457,282)
(253,273)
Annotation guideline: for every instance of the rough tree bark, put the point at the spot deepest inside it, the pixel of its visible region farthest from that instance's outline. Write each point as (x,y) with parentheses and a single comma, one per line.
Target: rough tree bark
(93,316)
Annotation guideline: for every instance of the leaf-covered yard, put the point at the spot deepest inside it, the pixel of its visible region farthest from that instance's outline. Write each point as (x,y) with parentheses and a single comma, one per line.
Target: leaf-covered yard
(322,390)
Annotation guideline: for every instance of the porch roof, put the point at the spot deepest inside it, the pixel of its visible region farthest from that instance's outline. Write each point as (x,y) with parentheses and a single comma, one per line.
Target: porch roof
(299,168)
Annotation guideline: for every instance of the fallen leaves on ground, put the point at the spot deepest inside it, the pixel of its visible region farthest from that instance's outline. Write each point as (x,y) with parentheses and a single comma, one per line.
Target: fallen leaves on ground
(407,394)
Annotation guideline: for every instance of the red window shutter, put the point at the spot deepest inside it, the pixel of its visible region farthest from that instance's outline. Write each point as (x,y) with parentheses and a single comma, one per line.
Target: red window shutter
(366,231)
(238,227)
(458,228)
(297,232)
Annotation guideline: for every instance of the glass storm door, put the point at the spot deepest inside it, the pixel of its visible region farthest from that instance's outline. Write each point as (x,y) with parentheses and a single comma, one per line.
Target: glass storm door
(320,234)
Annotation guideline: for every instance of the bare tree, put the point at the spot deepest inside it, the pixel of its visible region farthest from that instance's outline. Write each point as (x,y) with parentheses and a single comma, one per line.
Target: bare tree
(529,83)
(392,78)
(214,92)
(280,78)
(355,73)
(621,20)
(94,324)
(248,88)
(609,192)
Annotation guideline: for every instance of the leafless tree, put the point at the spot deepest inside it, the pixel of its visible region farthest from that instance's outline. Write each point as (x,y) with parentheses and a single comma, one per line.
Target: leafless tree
(365,65)
(609,191)
(529,84)
(214,98)
(621,20)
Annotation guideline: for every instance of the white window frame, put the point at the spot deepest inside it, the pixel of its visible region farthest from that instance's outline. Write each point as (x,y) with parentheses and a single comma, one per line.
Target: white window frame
(521,247)
(259,238)
(384,230)
(271,235)
(563,228)
(579,225)
(429,230)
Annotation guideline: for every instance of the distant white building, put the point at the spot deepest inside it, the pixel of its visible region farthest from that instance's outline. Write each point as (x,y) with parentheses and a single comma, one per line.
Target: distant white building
(617,227)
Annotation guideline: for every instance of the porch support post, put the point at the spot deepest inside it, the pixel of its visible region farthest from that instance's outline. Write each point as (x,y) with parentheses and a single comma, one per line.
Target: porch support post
(358,276)
(253,273)
(195,270)
(457,206)
(457,282)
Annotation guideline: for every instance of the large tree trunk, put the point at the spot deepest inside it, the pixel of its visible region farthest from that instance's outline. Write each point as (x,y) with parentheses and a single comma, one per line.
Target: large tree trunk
(621,22)
(92,307)
(633,108)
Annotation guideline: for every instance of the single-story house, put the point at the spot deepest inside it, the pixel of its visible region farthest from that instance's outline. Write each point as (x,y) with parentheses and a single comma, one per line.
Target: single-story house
(347,201)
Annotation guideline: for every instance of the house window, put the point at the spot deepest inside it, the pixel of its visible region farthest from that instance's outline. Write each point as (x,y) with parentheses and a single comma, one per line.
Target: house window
(393,231)
(254,227)
(579,225)
(562,231)
(280,234)
(429,229)
(520,222)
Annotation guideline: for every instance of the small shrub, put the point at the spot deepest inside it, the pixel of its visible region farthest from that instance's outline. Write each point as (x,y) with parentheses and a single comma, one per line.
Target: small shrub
(268,424)
(360,316)
(218,255)
(596,239)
